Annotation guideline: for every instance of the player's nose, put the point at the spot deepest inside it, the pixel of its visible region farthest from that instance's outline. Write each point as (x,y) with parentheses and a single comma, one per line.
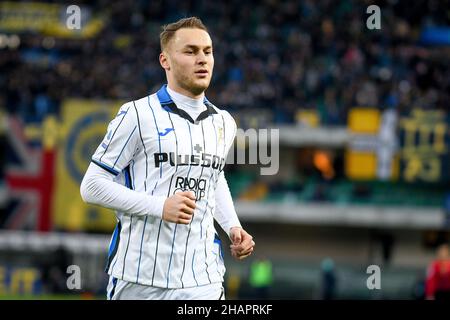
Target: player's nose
(201,58)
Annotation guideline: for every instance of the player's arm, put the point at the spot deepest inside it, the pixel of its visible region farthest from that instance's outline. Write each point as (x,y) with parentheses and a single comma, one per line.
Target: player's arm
(242,242)
(225,214)
(98,187)
(114,154)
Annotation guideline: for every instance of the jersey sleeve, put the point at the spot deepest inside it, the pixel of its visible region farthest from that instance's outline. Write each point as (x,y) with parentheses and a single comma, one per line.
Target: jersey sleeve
(98,187)
(231,129)
(120,142)
(225,213)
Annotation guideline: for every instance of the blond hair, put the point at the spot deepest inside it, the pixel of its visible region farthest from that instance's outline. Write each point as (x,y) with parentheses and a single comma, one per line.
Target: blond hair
(168,30)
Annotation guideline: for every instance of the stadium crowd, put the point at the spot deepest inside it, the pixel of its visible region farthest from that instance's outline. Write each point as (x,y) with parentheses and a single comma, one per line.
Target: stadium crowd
(280,56)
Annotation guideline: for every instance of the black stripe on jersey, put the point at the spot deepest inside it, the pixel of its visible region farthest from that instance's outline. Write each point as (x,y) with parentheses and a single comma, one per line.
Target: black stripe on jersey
(206,234)
(123,148)
(156,250)
(143,146)
(190,223)
(145,187)
(206,209)
(128,244)
(168,195)
(201,174)
(132,175)
(221,294)
(140,250)
(129,184)
(116,246)
(207,197)
(217,141)
(224,136)
(160,175)
(113,290)
(220,251)
(112,137)
(224,145)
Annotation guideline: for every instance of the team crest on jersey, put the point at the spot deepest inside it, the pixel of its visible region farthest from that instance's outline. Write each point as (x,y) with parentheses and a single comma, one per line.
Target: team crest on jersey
(221,136)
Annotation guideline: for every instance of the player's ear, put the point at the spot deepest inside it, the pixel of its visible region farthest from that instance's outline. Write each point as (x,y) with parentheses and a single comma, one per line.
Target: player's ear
(164,61)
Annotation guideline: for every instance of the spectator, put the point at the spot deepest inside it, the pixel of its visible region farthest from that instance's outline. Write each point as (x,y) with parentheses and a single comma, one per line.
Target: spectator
(328,284)
(437,285)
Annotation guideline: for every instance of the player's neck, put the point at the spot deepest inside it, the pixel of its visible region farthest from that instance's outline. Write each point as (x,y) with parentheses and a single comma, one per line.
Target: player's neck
(184,102)
(184,93)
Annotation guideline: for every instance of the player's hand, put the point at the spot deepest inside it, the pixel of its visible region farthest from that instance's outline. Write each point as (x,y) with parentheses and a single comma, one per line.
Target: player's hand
(242,243)
(179,208)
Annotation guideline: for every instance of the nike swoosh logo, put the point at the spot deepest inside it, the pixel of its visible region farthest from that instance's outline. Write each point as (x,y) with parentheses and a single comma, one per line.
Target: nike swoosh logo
(162,134)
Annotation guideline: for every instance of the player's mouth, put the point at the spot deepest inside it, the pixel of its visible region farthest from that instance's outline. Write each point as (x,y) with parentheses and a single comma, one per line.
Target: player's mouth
(202,73)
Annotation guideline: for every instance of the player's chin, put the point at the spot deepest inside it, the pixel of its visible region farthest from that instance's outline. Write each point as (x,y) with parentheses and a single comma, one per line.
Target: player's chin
(200,85)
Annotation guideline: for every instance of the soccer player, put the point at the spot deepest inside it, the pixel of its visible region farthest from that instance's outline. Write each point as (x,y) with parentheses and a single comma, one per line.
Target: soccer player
(160,167)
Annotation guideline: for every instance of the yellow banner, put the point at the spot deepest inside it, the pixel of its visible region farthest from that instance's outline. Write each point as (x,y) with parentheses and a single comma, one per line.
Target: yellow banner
(49,19)
(360,165)
(372,152)
(425,142)
(83,127)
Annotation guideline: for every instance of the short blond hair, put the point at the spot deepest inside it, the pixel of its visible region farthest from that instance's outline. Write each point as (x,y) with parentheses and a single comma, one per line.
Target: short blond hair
(168,30)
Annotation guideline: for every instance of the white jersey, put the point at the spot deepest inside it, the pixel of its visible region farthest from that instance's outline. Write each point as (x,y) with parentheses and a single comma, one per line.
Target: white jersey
(155,148)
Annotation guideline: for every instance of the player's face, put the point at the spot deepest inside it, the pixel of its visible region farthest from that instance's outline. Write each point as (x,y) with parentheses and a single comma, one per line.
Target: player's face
(190,61)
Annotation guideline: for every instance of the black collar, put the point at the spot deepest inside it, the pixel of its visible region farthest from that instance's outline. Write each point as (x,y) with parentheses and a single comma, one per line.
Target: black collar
(167,103)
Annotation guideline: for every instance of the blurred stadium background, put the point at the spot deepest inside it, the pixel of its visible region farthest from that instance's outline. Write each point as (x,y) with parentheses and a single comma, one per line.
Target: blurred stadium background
(364,138)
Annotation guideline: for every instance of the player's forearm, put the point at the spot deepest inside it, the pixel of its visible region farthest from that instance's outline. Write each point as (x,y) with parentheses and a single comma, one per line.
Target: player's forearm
(99,188)
(225,213)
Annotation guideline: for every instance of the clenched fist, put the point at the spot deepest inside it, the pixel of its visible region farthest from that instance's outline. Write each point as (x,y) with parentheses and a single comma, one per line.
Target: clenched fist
(242,243)
(179,208)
